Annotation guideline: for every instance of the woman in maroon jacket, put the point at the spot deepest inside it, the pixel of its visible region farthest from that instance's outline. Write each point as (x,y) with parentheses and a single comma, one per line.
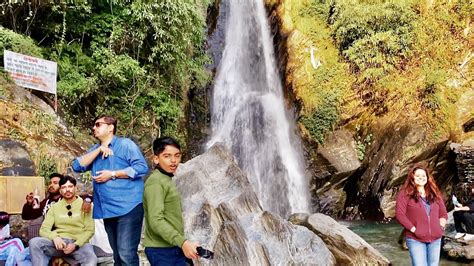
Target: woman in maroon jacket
(421,211)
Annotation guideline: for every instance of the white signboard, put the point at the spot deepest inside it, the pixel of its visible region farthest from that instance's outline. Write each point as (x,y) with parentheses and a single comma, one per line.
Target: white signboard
(31,72)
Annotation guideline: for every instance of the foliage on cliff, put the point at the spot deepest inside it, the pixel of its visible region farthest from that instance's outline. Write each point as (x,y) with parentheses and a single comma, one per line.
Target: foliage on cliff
(401,60)
(131,59)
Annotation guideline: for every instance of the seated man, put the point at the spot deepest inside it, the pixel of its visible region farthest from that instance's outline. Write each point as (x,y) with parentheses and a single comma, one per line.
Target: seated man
(72,230)
(31,212)
(36,214)
(464,215)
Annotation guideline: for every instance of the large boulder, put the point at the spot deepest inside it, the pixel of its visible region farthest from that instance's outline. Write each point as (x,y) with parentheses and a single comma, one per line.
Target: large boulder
(333,162)
(345,245)
(15,159)
(339,149)
(221,212)
(457,249)
(34,140)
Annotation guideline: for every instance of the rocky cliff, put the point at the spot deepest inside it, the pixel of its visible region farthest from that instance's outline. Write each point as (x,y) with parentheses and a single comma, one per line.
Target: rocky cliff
(34,140)
(358,165)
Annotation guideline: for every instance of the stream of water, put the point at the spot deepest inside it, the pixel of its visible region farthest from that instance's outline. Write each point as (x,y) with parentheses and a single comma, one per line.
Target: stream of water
(248,113)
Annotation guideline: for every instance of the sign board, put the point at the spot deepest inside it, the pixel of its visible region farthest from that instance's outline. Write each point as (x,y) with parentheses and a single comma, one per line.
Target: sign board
(31,72)
(13,190)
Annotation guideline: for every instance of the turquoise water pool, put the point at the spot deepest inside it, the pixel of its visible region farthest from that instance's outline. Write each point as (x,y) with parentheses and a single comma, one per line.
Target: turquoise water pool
(384,237)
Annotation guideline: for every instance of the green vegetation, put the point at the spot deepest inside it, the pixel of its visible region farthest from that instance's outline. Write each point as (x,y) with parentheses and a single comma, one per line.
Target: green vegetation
(46,166)
(324,117)
(362,143)
(393,59)
(132,59)
(12,41)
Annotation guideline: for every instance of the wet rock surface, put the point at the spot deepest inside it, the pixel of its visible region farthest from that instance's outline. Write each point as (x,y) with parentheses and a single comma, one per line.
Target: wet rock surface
(369,192)
(347,247)
(457,249)
(221,212)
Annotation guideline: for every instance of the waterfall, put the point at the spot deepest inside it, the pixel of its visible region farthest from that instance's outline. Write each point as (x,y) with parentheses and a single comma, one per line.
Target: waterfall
(249,114)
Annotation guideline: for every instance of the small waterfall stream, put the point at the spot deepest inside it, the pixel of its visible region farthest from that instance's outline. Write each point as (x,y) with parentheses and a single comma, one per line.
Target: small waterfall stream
(249,115)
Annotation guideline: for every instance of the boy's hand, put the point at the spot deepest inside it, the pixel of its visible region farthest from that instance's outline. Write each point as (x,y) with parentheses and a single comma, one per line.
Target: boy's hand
(189,249)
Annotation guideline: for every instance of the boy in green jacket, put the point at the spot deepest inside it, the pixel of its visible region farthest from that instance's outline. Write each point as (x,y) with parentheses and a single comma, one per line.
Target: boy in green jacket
(164,241)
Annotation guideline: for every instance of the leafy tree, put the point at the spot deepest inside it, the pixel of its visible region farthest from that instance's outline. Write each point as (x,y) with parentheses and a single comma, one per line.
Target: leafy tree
(131,59)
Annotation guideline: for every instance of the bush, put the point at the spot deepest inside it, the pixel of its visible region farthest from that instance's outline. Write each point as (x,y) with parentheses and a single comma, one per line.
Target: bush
(430,94)
(18,43)
(377,55)
(374,38)
(46,165)
(324,117)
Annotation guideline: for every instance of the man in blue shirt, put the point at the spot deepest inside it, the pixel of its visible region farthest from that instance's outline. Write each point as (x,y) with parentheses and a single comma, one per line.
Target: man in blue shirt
(117,166)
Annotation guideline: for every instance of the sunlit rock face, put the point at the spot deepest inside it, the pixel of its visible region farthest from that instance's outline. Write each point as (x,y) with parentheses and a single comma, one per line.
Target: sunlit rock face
(348,248)
(221,212)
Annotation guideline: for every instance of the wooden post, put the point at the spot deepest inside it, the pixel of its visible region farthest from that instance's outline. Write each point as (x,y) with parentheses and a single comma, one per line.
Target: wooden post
(56,102)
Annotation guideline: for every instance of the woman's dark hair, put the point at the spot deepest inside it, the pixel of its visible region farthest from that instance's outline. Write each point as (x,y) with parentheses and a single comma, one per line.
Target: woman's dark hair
(431,189)
(66,178)
(4,218)
(160,144)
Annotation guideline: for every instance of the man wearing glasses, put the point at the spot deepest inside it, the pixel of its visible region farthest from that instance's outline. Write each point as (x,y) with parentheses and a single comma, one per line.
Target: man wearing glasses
(117,166)
(71,232)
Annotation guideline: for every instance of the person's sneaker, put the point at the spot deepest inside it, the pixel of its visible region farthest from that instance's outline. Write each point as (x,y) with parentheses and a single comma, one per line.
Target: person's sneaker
(459,235)
(469,237)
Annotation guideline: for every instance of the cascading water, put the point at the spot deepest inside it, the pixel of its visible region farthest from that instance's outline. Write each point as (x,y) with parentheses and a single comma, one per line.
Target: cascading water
(249,115)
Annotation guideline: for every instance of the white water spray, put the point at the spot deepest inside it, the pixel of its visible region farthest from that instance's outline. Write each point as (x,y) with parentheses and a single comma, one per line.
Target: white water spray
(249,115)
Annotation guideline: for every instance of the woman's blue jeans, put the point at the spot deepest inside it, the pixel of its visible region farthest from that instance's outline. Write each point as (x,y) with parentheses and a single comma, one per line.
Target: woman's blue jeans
(424,254)
(165,256)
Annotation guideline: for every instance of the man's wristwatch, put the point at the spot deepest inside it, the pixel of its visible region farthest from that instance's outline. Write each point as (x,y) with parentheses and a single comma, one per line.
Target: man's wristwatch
(114,175)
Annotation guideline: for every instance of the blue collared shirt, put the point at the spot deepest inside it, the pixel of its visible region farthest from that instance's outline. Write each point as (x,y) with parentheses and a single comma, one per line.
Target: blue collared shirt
(117,197)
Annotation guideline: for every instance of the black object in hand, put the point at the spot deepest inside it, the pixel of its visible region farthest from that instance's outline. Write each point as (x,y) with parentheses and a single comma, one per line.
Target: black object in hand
(204,253)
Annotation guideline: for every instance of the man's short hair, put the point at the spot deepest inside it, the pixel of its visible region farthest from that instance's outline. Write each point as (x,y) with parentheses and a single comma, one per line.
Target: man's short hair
(160,144)
(66,178)
(109,120)
(53,175)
